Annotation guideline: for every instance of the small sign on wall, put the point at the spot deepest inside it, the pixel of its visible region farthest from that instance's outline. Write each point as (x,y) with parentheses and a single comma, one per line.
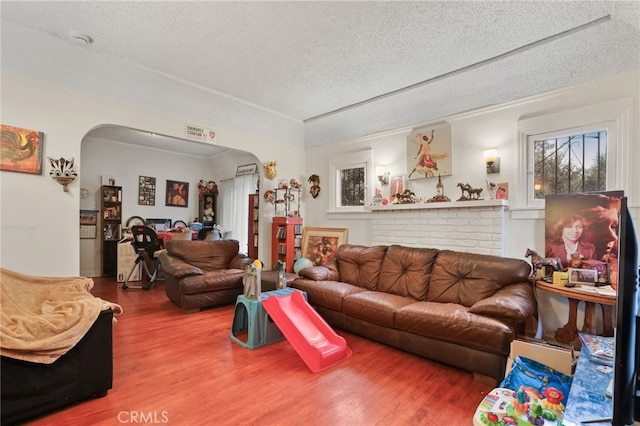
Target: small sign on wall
(200,134)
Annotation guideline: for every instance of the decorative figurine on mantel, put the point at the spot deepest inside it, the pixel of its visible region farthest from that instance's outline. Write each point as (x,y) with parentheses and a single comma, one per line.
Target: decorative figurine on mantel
(472,194)
(492,188)
(377,198)
(439,197)
(404,197)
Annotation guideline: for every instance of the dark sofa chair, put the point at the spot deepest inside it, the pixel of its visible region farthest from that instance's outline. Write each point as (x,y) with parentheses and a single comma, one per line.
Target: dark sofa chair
(201,274)
(30,389)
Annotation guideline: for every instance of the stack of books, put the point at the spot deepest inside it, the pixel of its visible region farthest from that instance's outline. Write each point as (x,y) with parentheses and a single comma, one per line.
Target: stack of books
(598,348)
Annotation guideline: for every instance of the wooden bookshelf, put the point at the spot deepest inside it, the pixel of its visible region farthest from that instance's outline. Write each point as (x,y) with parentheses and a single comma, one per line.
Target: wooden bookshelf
(286,240)
(111,215)
(254,226)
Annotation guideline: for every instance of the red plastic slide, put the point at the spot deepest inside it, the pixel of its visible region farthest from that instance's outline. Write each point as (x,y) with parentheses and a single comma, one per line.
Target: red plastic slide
(309,334)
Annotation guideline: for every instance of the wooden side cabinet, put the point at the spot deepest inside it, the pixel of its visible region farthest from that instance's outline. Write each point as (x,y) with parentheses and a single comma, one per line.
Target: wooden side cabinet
(111,215)
(254,225)
(286,240)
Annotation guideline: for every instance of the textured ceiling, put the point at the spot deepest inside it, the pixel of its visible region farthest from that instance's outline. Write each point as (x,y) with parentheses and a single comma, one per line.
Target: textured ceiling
(309,60)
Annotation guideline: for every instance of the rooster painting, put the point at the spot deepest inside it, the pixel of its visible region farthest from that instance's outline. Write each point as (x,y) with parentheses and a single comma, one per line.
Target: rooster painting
(21,150)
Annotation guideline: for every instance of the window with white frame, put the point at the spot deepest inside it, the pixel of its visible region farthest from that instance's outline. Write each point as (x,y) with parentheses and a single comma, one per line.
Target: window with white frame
(573,151)
(350,179)
(566,164)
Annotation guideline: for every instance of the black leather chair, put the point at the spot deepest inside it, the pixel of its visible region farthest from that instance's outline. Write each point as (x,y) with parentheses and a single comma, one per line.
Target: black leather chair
(146,243)
(30,389)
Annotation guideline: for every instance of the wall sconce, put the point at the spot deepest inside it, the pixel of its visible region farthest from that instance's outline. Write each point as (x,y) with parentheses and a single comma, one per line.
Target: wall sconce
(63,171)
(383,174)
(492,160)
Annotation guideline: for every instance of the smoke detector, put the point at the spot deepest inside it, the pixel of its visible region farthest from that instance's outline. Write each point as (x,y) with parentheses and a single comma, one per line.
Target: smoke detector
(80,38)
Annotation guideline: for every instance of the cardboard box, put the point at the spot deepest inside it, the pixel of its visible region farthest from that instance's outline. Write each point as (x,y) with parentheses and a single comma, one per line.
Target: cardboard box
(126,259)
(555,355)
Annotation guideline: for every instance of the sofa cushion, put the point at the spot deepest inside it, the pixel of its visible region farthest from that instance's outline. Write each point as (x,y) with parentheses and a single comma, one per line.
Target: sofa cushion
(213,280)
(374,306)
(206,255)
(453,323)
(465,278)
(512,302)
(360,265)
(406,271)
(329,294)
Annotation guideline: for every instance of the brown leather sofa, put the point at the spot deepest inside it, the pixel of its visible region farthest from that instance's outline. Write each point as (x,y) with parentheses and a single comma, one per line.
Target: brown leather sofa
(461,309)
(200,274)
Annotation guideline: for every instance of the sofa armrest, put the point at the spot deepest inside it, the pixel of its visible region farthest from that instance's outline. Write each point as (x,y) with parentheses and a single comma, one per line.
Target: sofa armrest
(515,302)
(177,267)
(240,261)
(328,272)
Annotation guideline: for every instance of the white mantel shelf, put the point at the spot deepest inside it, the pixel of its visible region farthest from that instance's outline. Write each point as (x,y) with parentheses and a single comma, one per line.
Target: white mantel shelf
(442,205)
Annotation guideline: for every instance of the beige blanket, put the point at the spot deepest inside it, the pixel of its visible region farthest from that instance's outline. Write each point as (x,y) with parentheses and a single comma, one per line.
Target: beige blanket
(42,318)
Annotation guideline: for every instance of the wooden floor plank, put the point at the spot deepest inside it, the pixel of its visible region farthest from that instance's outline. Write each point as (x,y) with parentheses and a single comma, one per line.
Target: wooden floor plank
(179,369)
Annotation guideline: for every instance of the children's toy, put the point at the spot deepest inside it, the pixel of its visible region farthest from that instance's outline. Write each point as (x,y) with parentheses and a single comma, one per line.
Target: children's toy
(524,407)
(309,334)
(251,280)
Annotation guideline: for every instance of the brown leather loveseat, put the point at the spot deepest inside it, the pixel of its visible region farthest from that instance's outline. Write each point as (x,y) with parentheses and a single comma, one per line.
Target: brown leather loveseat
(461,309)
(200,274)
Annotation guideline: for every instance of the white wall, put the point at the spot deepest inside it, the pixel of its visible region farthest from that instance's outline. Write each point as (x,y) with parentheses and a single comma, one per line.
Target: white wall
(39,224)
(471,133)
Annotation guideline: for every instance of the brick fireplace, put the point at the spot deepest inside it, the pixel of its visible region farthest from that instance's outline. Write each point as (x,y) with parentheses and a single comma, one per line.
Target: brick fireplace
(468,226)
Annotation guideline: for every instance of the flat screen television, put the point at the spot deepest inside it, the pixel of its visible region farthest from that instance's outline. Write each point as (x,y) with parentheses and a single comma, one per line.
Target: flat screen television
(626,359)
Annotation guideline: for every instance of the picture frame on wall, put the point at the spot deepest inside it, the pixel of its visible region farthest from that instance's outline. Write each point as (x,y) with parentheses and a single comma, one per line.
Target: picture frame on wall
(146,191)
(177,193)
(429,152)
(320,244)
(396,185)
(21,150)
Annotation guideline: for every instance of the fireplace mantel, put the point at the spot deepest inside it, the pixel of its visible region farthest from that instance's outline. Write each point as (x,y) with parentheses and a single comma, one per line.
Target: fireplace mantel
(443,205)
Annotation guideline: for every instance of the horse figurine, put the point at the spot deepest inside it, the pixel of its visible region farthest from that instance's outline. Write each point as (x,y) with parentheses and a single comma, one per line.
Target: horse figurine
(463,189)
(472,193)
(538,262)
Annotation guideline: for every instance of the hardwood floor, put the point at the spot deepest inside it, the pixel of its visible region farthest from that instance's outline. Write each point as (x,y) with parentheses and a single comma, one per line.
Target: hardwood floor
(172,368)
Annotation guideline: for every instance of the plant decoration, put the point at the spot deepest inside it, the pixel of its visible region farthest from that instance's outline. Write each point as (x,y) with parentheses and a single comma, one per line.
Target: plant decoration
(439,199)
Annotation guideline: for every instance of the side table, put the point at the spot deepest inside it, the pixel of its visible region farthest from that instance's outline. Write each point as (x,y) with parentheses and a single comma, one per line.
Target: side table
(568,334)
